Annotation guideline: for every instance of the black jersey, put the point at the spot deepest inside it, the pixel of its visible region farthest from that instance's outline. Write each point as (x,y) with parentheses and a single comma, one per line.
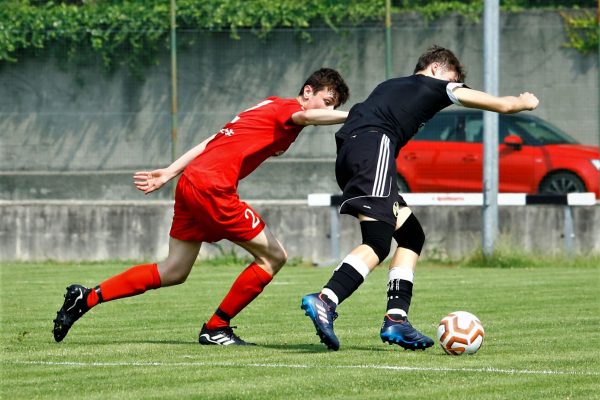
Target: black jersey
(399,107)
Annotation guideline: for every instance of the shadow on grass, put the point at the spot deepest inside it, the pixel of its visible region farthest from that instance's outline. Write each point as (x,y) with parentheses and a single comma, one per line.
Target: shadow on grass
(296,348)
(318,348)
(301,348)
(113,342)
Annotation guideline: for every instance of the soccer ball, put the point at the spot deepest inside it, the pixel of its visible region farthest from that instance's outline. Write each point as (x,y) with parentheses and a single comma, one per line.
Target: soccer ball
(459,333)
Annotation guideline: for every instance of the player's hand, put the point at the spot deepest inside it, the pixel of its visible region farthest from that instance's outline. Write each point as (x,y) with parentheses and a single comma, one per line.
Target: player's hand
(149,181)
(529,100)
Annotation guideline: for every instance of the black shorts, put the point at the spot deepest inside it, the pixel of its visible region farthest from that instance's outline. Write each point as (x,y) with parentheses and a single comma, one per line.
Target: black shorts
(365,170)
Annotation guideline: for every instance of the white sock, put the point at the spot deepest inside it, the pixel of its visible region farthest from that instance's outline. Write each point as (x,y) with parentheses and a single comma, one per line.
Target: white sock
(404,273)
(398,273)
(357,263)
(330,295)
(396,311)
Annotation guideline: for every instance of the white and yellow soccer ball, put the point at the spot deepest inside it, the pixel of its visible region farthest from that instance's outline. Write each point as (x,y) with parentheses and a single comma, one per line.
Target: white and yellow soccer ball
(460,332)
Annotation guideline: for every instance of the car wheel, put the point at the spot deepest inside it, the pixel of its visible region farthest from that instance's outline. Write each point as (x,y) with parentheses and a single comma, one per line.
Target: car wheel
(561,183)
(402,185)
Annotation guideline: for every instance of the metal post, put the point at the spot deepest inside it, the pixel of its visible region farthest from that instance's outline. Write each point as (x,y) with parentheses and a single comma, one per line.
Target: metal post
(491,22)
(388,39)
(335,233)
(568,230)
(173,83)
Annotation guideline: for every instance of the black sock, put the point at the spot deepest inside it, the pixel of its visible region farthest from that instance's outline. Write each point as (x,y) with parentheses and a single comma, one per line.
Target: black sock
(399,294)
(345,281)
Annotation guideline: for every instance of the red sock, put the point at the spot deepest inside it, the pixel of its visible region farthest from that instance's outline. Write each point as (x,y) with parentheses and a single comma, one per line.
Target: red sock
(136,280)
(249,284)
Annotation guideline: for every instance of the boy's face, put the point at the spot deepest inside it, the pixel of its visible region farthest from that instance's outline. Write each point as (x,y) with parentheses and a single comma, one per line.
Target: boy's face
(323,99)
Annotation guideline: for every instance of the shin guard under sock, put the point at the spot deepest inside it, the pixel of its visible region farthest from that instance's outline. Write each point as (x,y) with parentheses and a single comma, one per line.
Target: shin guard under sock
(136,280)
(399,293)
(248,285)
(347,278)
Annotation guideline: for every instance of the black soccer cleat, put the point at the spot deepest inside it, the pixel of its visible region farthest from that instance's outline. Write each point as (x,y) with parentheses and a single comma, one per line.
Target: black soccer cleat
(73,308)
(221,337)
(322,313)
(404,335)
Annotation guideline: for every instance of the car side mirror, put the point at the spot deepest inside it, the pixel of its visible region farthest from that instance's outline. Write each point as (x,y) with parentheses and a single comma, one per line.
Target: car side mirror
(513,141)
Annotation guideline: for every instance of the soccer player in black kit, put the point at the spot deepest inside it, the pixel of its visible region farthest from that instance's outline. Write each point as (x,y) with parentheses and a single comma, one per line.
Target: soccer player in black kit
(367,146)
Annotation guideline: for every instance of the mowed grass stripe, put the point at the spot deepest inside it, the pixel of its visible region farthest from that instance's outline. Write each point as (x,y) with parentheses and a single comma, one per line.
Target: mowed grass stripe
(541,340)
(253,365)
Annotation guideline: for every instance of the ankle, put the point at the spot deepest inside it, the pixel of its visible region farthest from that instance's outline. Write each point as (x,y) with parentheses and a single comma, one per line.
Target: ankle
(329,297)
(94,297)
(397,315)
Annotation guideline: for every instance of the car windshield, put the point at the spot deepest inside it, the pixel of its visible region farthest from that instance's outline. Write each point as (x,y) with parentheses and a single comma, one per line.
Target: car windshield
(543,132)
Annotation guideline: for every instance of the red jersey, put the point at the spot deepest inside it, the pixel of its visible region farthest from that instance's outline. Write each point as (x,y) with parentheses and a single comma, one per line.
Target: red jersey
(254,135)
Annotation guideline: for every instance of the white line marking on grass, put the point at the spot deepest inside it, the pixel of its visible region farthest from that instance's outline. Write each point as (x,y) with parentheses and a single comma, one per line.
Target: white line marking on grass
(489,370)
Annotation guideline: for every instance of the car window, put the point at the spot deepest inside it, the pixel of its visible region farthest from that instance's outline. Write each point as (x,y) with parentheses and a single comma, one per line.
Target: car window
(473,129)
(542,133)
(438,129)
(510,128)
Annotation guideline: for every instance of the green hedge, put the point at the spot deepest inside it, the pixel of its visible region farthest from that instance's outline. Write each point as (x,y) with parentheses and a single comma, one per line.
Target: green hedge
(136,30)
(132,32)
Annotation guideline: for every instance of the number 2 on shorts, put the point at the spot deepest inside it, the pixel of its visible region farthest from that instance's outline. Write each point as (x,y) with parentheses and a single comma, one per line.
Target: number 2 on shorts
(249,214)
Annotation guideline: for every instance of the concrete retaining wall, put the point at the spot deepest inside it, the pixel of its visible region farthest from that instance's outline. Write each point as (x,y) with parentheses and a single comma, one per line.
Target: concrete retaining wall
(80,133)
(76,230)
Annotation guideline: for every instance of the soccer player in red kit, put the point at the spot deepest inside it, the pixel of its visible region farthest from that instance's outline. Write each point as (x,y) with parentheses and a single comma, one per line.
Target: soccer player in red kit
(208,208)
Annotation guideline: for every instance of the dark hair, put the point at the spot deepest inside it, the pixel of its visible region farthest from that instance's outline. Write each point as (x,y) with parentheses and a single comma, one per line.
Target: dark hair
(443,56)
(331,79)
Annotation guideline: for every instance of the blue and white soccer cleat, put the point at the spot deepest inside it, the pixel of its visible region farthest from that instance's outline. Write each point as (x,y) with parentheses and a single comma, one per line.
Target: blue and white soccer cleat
(322,313)
(404,335)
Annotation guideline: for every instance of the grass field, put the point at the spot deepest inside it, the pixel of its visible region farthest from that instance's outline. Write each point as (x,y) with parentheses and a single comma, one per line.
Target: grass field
(542,338)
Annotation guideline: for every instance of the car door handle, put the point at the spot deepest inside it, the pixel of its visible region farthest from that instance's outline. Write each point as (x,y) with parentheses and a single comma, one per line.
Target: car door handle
(410,156)
(469,158)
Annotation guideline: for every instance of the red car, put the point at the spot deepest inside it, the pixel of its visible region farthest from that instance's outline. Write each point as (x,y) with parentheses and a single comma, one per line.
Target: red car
(446,155)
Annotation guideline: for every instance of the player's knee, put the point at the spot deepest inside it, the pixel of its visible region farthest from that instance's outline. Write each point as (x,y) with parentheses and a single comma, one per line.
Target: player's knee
(175,269)
(276,259)
(378,236)
(411,235)
(179,278)
(281,258)
(172,275)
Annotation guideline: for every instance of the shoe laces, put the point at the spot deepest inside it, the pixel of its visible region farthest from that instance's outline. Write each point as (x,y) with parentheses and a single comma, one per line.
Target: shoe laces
(229,332)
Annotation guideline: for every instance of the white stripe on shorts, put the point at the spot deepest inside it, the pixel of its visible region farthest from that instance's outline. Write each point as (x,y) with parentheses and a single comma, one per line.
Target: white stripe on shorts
(381,173)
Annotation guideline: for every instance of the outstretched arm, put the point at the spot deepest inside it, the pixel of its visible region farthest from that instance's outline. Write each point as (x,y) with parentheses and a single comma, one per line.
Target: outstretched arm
(149,181)
(319,116)
(505,105)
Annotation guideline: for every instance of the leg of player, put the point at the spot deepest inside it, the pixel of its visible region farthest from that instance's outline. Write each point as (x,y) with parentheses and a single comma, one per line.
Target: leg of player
(269,257)
(396,329)
(346,279)
(136,280)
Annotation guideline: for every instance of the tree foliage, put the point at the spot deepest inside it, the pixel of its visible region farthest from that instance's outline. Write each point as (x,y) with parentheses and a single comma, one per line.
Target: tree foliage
(131,32)
(582,31)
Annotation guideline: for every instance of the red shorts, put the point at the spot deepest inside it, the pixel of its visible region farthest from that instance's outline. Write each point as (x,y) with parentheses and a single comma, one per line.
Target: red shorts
(211,214)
